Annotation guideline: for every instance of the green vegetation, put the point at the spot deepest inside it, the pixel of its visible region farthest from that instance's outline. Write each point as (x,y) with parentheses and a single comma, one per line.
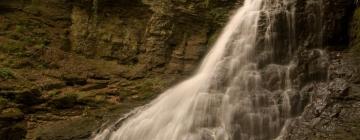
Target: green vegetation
(6,73)
(207,3)
(91,99)
(95,9)
(20,28)
(149,88)
(13,113)
(213,37)
(52,93)
(3,103)
(12,47)
(219,14)
(355,34)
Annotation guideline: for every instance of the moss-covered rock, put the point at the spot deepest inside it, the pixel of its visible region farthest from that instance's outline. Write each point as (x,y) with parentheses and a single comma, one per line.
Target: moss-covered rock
(53,51)
(355,34)
(12,114)
(13,132)
(6,73)
(62,101)
(28,96)
(79,129)
(3,103)
(91,99)
(74,79)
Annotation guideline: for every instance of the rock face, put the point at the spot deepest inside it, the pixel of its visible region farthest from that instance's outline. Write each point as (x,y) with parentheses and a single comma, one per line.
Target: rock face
(333,111)
(324,22)
(328,100)
(64,61)
(164,36)
(66,65)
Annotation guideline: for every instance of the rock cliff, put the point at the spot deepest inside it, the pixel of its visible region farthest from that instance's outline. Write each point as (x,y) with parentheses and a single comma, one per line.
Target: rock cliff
(67,67)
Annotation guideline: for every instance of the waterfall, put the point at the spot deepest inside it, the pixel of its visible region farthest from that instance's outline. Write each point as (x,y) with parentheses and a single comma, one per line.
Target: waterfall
(241,90)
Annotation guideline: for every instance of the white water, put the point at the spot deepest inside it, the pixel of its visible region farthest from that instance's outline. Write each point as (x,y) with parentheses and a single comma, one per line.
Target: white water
(240,91)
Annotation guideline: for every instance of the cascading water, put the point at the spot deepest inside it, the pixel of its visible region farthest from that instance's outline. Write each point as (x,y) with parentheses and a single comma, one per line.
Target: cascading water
(241,91)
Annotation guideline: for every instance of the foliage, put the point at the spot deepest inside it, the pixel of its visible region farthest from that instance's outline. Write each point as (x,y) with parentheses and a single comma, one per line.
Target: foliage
(6,73)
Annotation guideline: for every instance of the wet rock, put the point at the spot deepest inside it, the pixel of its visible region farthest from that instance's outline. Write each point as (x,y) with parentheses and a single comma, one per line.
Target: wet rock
(333,110)
(301,99)
(339,88)
(335,15)
(275,76)
(312,66)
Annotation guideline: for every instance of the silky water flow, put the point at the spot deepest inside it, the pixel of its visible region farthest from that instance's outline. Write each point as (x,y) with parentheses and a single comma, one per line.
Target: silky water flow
(241,90)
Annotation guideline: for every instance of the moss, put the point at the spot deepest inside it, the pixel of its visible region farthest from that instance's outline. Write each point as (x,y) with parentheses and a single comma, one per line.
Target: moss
(74,79)
(207,3)
(68,129)
(52,94)
(219,15)
(40,46)
(62,101)
(3,103)
(20,28)
(213,38)
(6,73)
(12,47)
(149,88)
(100,99)
(355,34)
(95,9)
(12,113)
(33,8)
(91,99)
(29,95)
